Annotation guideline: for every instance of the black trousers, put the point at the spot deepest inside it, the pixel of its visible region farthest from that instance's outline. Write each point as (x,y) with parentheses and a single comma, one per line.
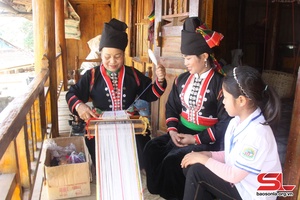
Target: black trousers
(141,141)
(164,173)
(201,183)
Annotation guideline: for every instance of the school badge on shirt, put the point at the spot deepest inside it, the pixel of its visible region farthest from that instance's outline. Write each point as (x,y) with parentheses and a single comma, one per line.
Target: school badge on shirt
(248,152)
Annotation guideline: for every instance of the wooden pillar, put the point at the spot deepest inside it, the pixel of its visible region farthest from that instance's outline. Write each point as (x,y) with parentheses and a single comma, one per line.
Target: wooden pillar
(272,35)
(60,37)
(291,173)
(157,52)
(131,26)
(241,23)
(194,8)
(118,9)
(38,19)
(44,32)
(51,54)
(121,10)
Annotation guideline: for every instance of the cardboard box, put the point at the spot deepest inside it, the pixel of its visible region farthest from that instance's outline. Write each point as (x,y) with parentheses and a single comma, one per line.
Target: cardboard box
(69,180)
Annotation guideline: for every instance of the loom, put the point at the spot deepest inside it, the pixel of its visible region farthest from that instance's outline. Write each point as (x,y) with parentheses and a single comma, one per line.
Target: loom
(117,167)
(140,123)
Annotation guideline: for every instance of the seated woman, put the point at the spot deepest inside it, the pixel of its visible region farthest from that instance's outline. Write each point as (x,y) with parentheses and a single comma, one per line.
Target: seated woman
(195,115)
(112,86)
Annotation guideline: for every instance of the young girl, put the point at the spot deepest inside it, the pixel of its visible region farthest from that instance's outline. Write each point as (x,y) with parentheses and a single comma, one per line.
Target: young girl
(250,146)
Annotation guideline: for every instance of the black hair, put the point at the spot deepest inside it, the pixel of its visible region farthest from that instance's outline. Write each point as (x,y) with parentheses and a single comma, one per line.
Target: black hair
(247,81)
(209,60)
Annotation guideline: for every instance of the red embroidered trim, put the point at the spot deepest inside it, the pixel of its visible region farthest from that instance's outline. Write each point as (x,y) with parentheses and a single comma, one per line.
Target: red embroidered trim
(197,139)
(211,135)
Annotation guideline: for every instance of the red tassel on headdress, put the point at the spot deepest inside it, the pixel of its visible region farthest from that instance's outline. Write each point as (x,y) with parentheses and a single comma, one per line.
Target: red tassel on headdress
(217,67)
(212,38)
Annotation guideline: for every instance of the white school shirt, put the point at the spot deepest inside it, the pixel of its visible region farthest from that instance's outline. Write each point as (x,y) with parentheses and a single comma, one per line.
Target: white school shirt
(251,146)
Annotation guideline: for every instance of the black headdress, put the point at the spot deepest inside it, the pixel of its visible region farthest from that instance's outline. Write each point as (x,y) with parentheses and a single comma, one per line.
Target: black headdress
(197,39)
(114,35)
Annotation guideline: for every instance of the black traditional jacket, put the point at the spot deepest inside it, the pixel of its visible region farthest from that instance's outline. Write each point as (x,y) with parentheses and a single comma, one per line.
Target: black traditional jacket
(209,112)
(95,85)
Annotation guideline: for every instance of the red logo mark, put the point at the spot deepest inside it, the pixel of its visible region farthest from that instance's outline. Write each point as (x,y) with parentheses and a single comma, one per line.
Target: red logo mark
(273,182)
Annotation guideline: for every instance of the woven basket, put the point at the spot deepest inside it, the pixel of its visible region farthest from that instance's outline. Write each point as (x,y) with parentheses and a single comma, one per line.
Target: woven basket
(282,82)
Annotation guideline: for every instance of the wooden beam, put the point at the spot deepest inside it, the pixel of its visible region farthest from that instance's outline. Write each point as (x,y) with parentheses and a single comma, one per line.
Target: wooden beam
(38,27)
(91,1)
(50,52)
(8,8)
(157,52)
(23,157)
(291,173)
(271,37)
(60,38)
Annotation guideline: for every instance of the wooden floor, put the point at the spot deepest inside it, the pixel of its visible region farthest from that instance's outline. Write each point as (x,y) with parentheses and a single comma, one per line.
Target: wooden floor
(64,131)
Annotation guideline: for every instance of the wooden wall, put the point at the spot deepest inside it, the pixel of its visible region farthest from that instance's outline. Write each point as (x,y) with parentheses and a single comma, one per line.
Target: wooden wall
(262,30)
(93,14)
(140,42)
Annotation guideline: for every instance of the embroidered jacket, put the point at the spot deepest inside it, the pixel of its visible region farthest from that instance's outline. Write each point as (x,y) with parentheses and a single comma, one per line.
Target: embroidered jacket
(209,112)
(96,85)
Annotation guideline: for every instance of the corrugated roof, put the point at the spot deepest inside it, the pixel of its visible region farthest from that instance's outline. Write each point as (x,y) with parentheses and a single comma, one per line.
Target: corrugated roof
(12,56)
(21,8)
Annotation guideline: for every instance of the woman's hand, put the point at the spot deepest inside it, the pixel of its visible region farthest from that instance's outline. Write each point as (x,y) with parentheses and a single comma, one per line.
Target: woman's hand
(85,112)
(180,139)
(160,73)
(175,138)
(195,157)
(186,139)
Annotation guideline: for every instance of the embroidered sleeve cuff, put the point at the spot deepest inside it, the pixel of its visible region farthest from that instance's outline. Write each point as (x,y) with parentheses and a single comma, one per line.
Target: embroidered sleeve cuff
(158,89)
(172,129)
(197,139)
(211,135)
(75,105)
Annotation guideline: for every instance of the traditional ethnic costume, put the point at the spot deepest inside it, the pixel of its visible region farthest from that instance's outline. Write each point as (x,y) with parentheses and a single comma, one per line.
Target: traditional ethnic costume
(114,91)
(194,107)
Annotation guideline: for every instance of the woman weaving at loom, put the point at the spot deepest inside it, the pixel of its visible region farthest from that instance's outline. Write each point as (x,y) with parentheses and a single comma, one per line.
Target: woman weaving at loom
(195,115)
(112,86)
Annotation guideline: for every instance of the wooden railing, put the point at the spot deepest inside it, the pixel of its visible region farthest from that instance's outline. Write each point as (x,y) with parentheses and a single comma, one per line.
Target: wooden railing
(174,7)
(60,76)
(23,127)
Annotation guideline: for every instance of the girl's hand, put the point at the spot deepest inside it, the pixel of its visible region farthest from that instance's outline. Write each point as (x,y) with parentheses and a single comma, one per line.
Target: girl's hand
(194,157)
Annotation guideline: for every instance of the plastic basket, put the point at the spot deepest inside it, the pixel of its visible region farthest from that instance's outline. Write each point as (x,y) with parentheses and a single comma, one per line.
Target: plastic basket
(282,82)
